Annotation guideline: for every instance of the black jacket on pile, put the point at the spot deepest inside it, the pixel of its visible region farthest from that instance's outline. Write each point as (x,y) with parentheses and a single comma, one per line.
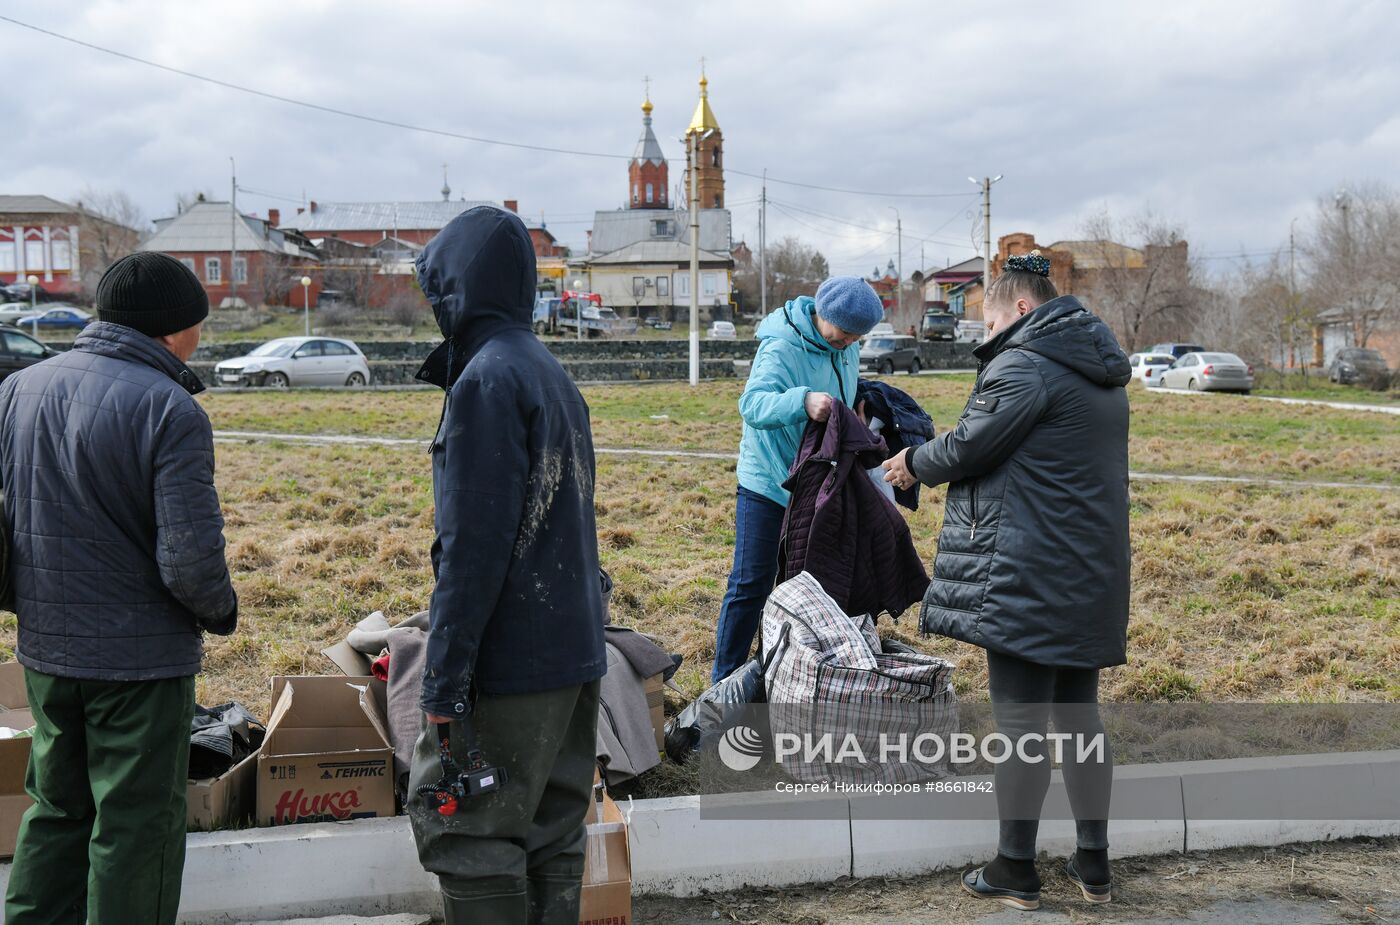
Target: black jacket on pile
(907,426)
(517,607)
(1033,558)
(107,463)
(843,529)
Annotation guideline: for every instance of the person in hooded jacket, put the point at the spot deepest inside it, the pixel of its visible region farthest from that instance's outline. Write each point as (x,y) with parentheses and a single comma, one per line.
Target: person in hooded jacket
(1033,557)
(515,647)
(808,356)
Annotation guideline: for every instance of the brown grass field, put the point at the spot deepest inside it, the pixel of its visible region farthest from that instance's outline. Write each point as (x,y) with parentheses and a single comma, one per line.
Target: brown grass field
(1241,592)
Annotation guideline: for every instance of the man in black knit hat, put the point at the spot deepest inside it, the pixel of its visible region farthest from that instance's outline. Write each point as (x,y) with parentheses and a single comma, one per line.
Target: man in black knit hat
(117,554)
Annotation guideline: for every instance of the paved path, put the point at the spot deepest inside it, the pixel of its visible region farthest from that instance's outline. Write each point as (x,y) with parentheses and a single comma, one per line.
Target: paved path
(1321,403)
(251,436)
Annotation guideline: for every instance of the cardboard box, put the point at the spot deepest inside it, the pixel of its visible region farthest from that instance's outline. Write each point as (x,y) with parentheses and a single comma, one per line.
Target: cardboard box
(14,755)
(607,868)
(327,755)
(223,802)
(656,703)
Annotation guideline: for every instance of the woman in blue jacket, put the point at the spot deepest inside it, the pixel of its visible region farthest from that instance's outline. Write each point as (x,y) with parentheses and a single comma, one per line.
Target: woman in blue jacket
(808,357)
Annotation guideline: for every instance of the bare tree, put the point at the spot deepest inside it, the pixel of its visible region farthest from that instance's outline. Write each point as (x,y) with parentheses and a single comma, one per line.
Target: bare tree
(1354,249)
(794,269)
(275,279)
(109,227)
(1141,281)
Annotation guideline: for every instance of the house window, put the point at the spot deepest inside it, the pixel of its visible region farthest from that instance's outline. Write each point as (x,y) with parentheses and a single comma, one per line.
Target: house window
(719,202)
(650,193)
(634,192)
(213,270)
(62,254)
(714,157)
(707,284)
(240,269)
(7,253)
(663,285)
(661,229)
(639,286)
(683,285)
(189,262)
(34,254)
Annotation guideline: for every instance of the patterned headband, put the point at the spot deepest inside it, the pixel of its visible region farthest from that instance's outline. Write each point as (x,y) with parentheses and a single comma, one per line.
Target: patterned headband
(1030,263)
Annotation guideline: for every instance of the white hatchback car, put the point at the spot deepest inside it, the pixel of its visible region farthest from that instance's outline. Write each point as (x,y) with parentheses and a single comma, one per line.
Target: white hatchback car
(297,361)
(1148,367)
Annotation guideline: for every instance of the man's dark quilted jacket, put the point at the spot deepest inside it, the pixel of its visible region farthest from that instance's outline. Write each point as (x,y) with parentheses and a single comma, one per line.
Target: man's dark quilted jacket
(1033,558)
(107,463)
(841,528)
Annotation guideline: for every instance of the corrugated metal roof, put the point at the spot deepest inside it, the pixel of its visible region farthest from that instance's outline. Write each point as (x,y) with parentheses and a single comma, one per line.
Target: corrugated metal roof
(616,229)
(35,204)
(971,265)
(381,216)
(669,252)
(205,228)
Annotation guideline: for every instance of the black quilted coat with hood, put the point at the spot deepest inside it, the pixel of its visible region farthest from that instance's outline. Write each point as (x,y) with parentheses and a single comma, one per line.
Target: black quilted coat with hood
(1033,558)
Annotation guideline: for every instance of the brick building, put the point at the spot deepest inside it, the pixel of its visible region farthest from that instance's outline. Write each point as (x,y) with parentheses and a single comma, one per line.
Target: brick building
(65,246)
(710,171)
(235,255)
(648,175)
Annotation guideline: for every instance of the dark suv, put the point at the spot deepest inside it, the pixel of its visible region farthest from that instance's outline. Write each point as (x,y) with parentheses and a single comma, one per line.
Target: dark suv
(885,353)
(19,351)
(1177,351)
(1360,366)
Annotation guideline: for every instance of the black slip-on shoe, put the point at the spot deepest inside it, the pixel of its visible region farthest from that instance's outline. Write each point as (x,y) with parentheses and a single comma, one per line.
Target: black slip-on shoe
(977,885)
(1094,893)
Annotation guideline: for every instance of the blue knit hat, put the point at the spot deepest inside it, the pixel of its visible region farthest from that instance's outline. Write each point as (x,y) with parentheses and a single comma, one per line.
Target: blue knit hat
(849,303)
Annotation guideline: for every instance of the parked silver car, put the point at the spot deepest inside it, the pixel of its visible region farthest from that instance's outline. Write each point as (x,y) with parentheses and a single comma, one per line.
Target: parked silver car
(297,361)
(1209,372)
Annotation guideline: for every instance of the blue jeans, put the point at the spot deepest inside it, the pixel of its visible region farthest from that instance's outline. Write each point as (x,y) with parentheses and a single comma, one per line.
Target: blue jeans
(758,526)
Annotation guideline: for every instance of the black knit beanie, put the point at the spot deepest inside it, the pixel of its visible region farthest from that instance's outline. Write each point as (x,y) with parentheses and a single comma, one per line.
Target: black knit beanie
(153,293)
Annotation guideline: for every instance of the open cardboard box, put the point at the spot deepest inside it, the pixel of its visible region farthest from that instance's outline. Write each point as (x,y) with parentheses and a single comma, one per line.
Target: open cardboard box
(327,755)
(223,802)
(14,755)
(607,867)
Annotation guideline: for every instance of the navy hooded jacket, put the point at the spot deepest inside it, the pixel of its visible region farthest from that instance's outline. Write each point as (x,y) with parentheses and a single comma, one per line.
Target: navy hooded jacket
(517,607)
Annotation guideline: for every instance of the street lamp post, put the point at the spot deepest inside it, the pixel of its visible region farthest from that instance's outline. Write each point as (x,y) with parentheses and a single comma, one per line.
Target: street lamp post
(578,308)
(306,302)
(33,282)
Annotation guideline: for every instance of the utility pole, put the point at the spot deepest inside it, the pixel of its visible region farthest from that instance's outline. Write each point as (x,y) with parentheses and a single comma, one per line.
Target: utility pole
(899,283)
(986,184)
(232,232)
(694,258)
(763,248)
(1344,203)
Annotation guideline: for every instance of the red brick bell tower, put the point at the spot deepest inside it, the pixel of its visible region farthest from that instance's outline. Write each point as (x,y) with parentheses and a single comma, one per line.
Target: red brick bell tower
(647,174)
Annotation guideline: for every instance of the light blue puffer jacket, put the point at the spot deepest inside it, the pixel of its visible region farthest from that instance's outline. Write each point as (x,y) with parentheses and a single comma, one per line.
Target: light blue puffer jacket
(792,360)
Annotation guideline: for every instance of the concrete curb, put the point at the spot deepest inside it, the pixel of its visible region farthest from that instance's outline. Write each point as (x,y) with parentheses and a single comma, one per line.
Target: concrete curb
(370,867)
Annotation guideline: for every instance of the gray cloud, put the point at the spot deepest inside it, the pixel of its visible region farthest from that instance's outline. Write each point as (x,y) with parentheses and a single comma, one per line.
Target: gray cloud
(1229,118)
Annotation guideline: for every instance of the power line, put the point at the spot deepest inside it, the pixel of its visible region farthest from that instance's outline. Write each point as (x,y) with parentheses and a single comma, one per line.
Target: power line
(392,123)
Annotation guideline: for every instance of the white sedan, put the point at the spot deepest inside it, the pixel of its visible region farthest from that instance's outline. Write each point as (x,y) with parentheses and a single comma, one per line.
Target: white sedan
(297,361)
(1210,372)
(1148,367)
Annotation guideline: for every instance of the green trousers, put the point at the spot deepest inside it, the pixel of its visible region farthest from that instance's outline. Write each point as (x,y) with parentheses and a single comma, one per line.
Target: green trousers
(514,856)
(104,842)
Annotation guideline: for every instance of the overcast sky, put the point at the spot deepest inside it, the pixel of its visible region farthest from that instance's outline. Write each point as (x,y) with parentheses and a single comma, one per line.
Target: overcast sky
(1229,118)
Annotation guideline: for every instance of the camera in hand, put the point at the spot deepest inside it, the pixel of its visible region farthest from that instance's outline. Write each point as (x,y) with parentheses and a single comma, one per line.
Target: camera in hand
(458,783)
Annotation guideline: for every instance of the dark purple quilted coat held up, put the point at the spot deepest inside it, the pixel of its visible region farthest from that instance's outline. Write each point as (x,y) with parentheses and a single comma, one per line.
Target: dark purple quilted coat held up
(841,528)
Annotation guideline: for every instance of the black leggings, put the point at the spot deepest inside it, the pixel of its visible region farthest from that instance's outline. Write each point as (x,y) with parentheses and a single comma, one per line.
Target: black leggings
(1024,697)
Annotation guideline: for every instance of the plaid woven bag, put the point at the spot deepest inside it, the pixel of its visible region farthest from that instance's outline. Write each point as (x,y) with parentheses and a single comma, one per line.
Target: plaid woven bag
(828,680)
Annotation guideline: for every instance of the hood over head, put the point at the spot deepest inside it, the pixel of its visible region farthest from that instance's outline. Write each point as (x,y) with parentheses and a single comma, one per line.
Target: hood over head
(1065,331)
(478,274)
